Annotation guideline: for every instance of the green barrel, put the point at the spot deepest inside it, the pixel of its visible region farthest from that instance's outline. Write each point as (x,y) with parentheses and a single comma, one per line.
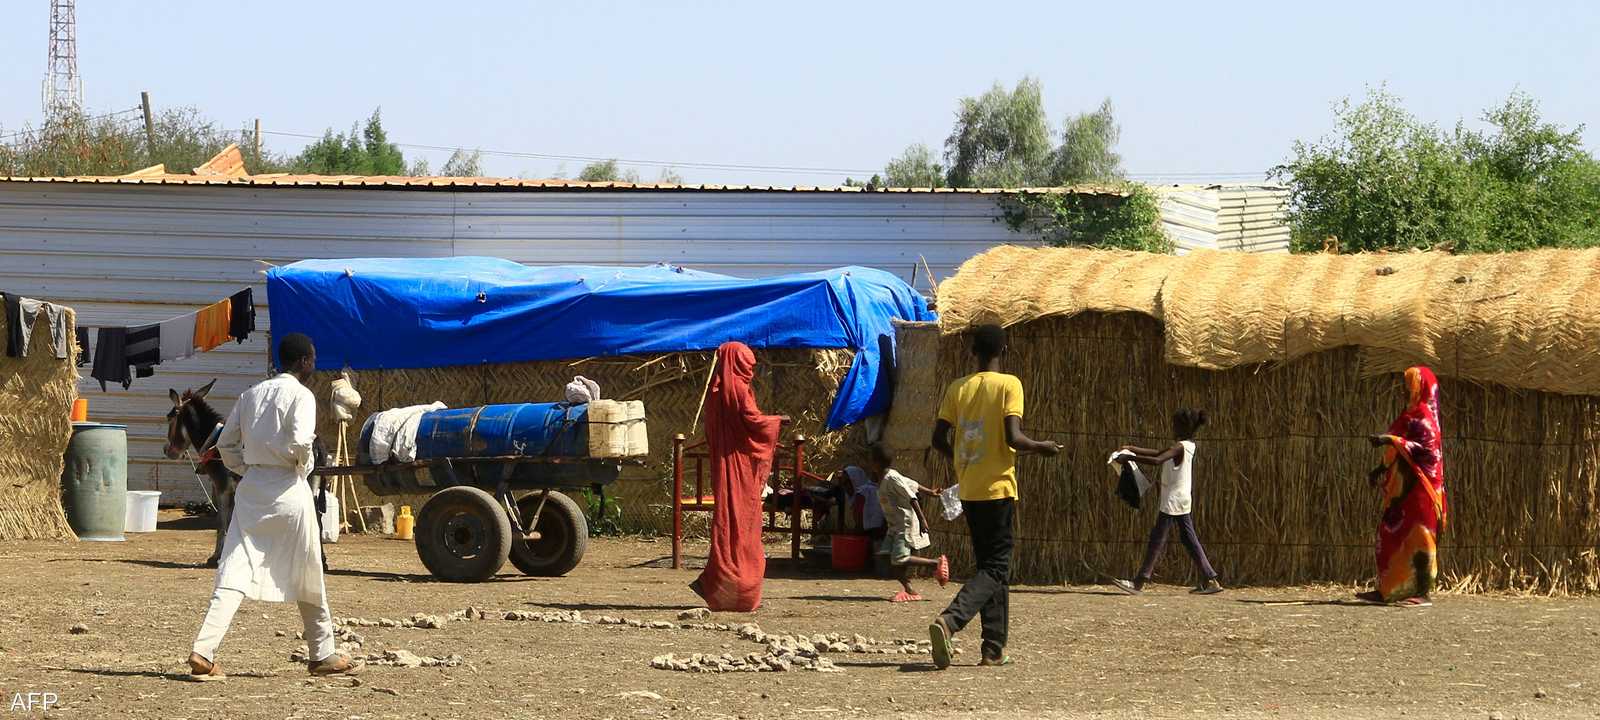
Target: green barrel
(95,481)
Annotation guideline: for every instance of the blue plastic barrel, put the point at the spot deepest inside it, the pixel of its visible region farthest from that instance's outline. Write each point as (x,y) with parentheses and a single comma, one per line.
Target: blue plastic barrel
(95,481)
(524,429)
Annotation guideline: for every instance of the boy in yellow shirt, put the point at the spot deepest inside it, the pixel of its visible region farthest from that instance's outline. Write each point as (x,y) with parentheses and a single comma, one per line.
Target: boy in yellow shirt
(983,412)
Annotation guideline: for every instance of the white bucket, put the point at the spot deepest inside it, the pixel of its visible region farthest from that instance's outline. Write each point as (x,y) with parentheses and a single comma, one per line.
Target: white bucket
(142,505)
(330,521)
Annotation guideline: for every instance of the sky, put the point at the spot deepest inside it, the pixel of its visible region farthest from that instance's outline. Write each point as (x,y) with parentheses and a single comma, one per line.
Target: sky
(727,92)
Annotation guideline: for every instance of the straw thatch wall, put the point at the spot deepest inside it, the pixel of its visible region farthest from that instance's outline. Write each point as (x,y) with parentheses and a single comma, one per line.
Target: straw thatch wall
(798,383)
(1108,344)
(1280,486)
(36,395)
(1526,319)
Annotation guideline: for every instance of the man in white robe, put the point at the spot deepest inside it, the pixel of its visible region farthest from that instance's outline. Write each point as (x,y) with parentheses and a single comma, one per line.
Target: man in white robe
(273,551)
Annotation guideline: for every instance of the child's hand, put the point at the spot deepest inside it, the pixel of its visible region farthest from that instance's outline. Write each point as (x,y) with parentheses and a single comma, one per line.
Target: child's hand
(1376,440)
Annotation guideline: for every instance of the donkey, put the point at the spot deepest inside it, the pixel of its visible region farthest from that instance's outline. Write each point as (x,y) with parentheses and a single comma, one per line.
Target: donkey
(193,423)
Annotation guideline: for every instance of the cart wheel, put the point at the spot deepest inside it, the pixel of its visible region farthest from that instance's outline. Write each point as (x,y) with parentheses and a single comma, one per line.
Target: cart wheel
(563,536)
(463,535)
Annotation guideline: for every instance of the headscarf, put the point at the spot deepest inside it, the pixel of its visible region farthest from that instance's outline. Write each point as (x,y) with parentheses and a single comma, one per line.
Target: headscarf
(733,419)
(1420,437)
(741,443)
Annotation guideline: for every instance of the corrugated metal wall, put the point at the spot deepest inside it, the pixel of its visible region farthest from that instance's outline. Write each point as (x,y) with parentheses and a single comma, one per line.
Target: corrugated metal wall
(128,255)
(1252,218)
(1189,217)
(1243,217)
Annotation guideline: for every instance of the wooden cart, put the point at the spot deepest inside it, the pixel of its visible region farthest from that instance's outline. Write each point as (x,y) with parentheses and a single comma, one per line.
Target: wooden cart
(475,519)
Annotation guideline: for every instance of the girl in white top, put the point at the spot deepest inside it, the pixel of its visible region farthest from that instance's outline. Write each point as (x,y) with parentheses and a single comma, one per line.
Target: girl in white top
(1175,504)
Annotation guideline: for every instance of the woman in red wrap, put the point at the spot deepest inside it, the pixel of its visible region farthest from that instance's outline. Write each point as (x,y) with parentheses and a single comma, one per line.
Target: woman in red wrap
(741,441)
(1411,479)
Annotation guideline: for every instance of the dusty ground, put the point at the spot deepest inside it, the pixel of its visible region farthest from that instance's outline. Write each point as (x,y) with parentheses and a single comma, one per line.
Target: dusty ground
(1081,652)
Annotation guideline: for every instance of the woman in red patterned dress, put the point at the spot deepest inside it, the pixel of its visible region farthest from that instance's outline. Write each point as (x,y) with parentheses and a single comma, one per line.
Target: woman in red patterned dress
(1411,479)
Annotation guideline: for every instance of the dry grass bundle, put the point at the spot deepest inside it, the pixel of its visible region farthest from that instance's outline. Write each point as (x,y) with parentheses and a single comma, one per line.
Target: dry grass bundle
(1523,319)
(798,383)
(1280,483)
(36,395)
(1010,285)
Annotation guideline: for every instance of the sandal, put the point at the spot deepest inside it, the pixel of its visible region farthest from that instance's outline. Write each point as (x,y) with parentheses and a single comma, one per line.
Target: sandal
(1000,661)
(942,572)
(939,637)
(905,597)
(203,669)
(1370,596)
(1414,602)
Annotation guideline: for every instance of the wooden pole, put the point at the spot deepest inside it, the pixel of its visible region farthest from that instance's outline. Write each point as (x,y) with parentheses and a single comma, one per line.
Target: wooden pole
(258,139)
(149,126)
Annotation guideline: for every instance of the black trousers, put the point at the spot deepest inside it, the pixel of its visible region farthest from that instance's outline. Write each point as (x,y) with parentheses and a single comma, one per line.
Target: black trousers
(987,594)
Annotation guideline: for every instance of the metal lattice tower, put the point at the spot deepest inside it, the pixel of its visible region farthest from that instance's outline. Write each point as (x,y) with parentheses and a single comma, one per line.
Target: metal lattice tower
(63,91)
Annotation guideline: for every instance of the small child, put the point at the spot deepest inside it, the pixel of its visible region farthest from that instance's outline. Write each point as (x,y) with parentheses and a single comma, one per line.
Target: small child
(906,528)
(1176,504)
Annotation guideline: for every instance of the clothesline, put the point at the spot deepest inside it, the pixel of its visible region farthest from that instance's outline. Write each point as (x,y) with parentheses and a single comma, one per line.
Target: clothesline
(117,349)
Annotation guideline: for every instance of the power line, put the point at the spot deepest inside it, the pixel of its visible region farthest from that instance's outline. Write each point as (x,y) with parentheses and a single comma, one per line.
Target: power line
(728,166)
(619,161)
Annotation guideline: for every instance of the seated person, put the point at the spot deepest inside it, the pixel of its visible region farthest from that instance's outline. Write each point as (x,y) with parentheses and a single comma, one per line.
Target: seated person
(852,491)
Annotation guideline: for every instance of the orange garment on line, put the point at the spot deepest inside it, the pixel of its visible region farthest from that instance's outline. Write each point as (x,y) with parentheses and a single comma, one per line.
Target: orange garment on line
(211,325)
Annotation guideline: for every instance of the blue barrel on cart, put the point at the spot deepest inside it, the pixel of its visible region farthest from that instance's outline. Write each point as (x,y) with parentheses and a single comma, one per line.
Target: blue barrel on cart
(522,429)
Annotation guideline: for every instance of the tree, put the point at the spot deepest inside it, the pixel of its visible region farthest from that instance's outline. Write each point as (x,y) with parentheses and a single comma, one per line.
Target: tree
(364,152)
(463,164)
(108,145)
(1386,181)
(607,171)
(669,176)
(1000,139)
(1088,149)
(916,167)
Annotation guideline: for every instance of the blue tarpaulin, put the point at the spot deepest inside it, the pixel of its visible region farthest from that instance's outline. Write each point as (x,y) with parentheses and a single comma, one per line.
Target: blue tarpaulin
(440,312)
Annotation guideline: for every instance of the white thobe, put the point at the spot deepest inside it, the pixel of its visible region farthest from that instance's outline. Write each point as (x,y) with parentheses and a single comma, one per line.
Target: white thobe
(273,551)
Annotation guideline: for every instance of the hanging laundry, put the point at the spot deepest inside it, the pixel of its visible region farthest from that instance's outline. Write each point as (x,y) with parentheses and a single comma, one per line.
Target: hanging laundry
(242,314)
(16,335)
(111,357)
(83,345)
(21,314)
(177,338)
(58,329)
(144,348)
(211,326)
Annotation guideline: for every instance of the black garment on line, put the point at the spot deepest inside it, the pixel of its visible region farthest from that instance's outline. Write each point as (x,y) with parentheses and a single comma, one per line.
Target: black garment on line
(144,345)
(82,336)
(16,335)
(111,357)
(242,314)
(988,593)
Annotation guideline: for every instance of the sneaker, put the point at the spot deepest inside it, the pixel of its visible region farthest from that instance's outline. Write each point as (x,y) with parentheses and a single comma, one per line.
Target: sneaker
(1209,587)
(939,637)
(1131,588)
(336,664)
